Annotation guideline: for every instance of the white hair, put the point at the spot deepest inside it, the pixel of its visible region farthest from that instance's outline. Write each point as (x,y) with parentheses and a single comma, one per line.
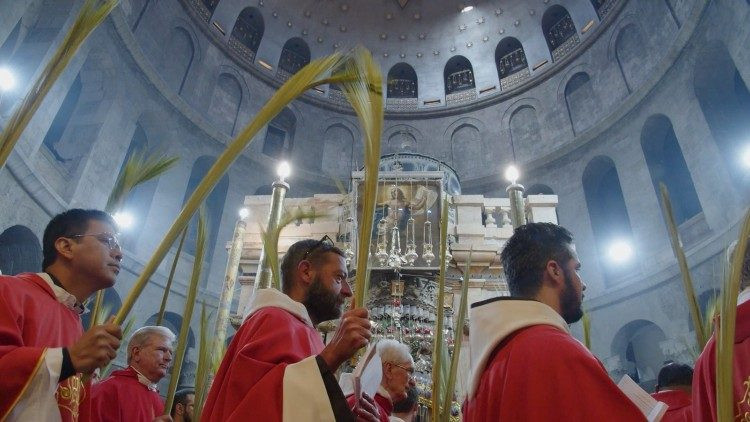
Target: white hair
(394,351)
(142,336)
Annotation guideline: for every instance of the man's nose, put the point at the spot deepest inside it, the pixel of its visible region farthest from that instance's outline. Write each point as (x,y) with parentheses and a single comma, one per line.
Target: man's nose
(346,290)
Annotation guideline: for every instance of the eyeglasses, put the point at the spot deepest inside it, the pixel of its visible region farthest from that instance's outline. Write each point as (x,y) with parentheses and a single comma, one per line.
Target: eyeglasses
(410,371)
(325,241)
(108,239)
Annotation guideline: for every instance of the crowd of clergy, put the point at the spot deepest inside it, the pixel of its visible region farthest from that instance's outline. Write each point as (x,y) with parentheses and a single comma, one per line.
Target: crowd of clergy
(524,363)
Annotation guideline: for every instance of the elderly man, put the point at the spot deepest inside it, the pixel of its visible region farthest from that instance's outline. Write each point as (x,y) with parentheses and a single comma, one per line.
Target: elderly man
(525,365)
(182,409)
(43,349)
(131,394)
(276,367)
(398,376)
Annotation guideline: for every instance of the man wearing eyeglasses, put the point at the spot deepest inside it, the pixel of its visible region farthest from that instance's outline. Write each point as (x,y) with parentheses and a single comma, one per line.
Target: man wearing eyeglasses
(525,365)
(43,349)
(277,368)
(398,376)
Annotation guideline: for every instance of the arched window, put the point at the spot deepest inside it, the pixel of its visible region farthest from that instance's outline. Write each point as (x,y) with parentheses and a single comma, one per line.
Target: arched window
(582,102)
(559,31)
(666,164)
(609,216)
(214,207)
(637,346)
(60,123)
(402,81)
(210,4)
(602,7)
(225,103)
(510,59)
(279,140)
(247,33)
(467,150)
(458,75)
(294,56)
(20,251)
(177,59)
(725,101)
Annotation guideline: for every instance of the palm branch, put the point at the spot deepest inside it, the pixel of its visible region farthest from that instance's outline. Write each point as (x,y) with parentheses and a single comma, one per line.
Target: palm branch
(437,350)
(458,333)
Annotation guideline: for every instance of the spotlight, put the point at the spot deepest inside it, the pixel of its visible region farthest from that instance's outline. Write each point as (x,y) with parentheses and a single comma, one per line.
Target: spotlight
(244,213)
(511,174)
(620,251)
(124,220)
(283,170)
(467,9)
(745,157)
(7,80)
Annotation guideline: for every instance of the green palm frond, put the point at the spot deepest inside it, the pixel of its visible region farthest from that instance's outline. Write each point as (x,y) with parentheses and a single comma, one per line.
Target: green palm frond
(170,278)
(458,333)
(89,17)
(437,348)
(687,281)
(726,333)
(187,314)
(586,321)
(206,369)
(127,329)
(306,78)
(140,168)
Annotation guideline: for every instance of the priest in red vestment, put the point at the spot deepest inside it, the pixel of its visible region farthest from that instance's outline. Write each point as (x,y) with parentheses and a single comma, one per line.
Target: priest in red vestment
(43,350)
(398,376)
(704,379)
(525,365)
(277,368)
(674,385)
(131,394)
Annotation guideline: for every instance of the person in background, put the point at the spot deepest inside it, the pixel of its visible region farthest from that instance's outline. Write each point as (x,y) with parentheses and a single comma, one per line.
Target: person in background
(674,386)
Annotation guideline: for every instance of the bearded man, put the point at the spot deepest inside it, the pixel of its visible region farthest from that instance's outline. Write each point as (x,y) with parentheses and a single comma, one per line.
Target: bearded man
(525,365)
(276,367)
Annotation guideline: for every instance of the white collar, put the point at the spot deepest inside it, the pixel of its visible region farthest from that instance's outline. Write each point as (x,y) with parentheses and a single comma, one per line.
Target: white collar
(63,296)
(744,296)
(383,392)
(493,320)
(145,381)
(266,298)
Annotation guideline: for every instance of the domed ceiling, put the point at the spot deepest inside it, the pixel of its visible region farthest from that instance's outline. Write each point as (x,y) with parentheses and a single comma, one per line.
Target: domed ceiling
(425,34)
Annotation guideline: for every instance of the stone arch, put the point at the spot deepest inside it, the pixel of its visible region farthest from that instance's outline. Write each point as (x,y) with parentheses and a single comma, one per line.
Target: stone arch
(539,189)
(226,101)
(465,139)
(629,49)
(173,321)
(279,139)
(637,346)
(525,132)
(20,251)
(666,164)
(402,81)
(179,56)
(338,150)
(214,204)
(393,144)
(581,102)
(294,56)
(54,136)
(458,75)
(724,99)
(248,32)
(607,212)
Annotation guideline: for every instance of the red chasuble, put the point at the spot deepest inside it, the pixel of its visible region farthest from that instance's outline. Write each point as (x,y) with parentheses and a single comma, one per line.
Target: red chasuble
(383,403)
(269,372)
(32,320)
(527,367)
(122,398)
(704,376)
(679,403)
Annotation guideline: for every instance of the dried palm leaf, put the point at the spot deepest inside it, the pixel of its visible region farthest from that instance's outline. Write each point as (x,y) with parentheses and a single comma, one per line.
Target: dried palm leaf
(200,246)
(306,78)
(365,94)
(437,348)
(89,17)
(459,334)
(170,278)
(98,312)
(687,280)
(725,334)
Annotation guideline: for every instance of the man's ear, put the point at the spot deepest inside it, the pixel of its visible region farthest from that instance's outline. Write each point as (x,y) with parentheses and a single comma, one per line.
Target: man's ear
(554,273)
(64,247)
(306,271)
(179,409)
